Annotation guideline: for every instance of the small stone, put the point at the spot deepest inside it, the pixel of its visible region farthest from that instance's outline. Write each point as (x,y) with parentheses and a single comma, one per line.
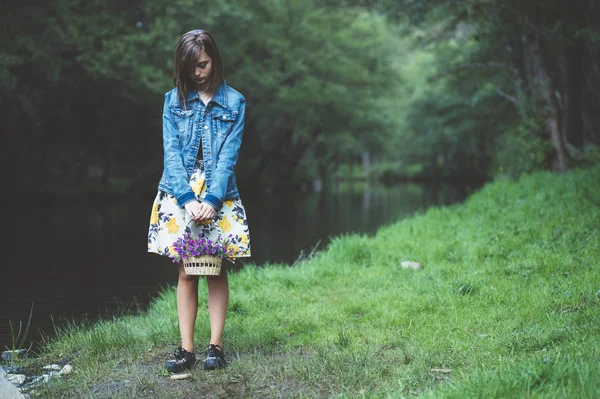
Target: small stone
(410,265)
(54,367)
(37,381)
(10,355)
(11,369)
(67,369)
(180,376)
(17,379)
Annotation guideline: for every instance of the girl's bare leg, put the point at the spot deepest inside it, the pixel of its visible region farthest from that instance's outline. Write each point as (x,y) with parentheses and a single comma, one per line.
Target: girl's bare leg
(218,300)
(187,307)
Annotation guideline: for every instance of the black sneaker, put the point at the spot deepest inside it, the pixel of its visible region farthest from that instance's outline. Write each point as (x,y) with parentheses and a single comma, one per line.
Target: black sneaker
(183,361)
(215,358)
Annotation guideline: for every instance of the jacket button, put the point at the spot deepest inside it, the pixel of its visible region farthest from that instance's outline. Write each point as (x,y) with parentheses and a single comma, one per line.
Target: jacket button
(205,127)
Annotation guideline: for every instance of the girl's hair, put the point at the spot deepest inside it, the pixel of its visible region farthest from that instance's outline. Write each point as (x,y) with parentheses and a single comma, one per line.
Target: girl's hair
(188,50)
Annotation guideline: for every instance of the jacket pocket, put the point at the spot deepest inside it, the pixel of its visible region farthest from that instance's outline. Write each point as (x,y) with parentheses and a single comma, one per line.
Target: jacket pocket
(182,118)
(224,121)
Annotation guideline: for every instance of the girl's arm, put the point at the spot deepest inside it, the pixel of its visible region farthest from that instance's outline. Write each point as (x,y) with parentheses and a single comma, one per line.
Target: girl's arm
(173,161)
(226,161)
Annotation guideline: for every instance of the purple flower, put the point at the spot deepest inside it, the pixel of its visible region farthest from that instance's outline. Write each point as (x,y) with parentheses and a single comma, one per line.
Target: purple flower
(188,246)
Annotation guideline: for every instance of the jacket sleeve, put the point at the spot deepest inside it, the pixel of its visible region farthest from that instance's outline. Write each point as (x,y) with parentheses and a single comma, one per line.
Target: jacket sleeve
(226,160)
(173,160)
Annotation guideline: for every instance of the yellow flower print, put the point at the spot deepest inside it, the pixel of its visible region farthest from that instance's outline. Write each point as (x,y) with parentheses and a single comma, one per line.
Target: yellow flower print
(237,217)
(172,226)
(171,249)
(154,213)
(246,252)
(198,185)
(235,248)
(229,203)
(244,240)
(224,225)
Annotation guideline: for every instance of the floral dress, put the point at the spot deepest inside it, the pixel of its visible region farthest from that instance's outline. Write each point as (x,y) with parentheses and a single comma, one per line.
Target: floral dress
(168,221)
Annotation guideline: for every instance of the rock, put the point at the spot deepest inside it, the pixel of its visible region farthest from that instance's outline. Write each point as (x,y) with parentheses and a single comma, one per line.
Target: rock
(7,389)
(10,355)
(410,265)
(54,367)
(11,369)
(36,382)
(67,369)
(17,379)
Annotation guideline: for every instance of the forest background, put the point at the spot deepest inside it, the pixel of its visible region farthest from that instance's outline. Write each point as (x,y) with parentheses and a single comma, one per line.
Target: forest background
(343,89)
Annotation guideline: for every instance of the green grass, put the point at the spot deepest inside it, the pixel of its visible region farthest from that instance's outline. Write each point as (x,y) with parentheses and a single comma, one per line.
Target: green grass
(507,302)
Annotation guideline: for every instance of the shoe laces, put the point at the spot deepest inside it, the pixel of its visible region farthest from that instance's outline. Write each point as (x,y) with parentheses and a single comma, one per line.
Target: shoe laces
(181,353)
(213,349)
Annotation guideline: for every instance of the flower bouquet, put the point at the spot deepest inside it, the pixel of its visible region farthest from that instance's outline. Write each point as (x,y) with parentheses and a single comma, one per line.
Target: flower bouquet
(201,257)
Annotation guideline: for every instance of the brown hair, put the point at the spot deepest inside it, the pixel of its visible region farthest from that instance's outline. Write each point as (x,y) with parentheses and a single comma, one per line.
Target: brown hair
(188,50)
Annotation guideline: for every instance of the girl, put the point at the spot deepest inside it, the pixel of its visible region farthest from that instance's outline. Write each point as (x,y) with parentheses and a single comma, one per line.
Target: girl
(203,122)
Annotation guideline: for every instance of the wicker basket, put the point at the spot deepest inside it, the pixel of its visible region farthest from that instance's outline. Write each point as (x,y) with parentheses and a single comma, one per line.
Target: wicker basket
(205,265)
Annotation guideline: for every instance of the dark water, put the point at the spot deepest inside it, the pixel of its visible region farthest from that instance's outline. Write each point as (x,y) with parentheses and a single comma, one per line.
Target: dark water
(75,262)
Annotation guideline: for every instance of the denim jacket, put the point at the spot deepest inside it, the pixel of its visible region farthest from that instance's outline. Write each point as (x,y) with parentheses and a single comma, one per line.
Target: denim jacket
(220,125)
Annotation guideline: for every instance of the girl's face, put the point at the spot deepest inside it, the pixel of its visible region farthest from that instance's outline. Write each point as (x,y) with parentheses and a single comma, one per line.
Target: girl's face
(202,71)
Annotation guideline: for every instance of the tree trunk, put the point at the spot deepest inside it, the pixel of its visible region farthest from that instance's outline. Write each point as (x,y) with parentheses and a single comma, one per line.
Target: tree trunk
(575,78)
(547,104)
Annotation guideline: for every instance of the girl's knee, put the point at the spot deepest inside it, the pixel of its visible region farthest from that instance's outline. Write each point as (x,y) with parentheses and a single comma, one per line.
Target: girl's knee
(217,280)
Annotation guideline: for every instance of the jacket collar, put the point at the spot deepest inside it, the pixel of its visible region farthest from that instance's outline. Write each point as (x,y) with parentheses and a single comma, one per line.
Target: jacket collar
(219,97)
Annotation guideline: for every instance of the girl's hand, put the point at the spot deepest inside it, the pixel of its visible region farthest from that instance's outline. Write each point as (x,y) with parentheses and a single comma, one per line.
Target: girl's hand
(206,212)
(194,209)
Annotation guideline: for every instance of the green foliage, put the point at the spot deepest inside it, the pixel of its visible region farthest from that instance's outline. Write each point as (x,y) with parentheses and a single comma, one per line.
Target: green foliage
(485,82)
(318,81)
(393,171)
(318,84)
(438,89)
(591,153)
(522,150)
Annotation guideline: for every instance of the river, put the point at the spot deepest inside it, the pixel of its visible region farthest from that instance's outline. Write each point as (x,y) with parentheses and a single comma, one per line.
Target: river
(76,262)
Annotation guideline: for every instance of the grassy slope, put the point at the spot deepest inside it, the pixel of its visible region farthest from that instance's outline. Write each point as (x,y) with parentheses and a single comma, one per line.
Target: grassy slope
(508,300)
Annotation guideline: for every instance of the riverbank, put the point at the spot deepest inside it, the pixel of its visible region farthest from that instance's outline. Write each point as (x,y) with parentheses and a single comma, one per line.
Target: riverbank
(505,305)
